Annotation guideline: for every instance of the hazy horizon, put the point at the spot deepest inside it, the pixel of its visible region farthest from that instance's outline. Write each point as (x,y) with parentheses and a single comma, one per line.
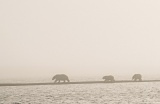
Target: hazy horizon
(79,38)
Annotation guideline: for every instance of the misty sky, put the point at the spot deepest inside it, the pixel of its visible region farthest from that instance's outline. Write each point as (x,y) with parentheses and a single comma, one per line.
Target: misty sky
(79,37)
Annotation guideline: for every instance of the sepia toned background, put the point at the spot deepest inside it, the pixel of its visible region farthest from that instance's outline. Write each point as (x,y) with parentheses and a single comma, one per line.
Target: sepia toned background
(41,38)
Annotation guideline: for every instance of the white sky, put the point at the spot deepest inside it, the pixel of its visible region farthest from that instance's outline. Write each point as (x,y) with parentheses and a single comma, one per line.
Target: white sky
(79,37)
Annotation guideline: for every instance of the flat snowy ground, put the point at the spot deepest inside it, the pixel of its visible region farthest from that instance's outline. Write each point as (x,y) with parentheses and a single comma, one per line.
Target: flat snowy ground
(113,93)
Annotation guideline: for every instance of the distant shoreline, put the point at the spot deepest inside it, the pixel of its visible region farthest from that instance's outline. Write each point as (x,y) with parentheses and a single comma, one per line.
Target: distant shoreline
(67,83)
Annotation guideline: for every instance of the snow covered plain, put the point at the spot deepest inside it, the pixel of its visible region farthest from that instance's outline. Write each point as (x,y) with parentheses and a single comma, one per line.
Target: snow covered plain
(110,93)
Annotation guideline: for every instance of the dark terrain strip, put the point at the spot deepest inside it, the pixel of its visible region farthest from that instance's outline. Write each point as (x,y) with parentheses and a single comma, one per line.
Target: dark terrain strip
(67,83)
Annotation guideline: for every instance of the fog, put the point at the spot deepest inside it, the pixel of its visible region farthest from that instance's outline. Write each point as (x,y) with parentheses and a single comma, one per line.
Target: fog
(79,38)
